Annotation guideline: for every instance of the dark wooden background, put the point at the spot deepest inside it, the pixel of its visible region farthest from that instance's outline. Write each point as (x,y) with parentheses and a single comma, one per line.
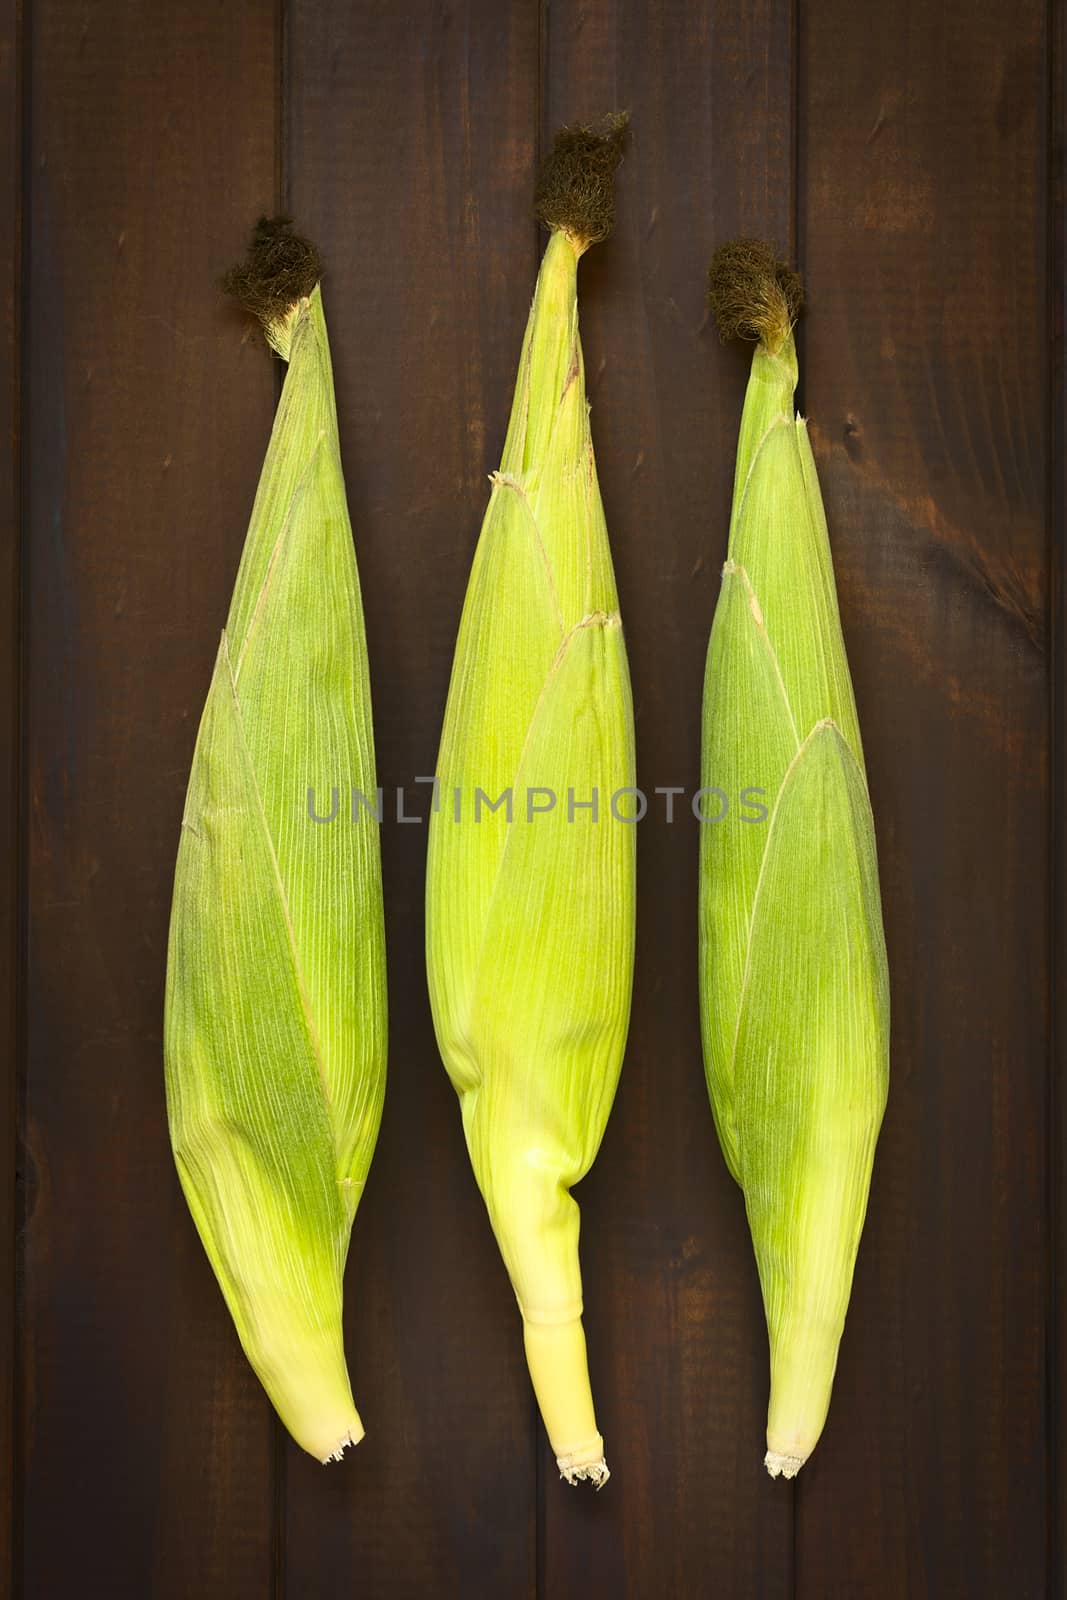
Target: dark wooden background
(909,154)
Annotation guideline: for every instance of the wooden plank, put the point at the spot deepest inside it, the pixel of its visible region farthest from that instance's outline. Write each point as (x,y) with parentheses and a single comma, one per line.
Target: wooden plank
(1057,516)
(152,148)
(673,1312)
(410,151)
(10,742)
(923,230)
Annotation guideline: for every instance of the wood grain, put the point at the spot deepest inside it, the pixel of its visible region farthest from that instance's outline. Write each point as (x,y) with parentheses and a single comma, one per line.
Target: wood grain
(10,736)
(409,156)
(151,147)
(673,1311)
(1057,513)
(922,242)
(912,155)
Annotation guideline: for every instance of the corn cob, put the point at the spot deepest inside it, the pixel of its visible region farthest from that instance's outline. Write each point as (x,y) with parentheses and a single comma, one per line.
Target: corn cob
(794,985)
(275,1029)
(530,918)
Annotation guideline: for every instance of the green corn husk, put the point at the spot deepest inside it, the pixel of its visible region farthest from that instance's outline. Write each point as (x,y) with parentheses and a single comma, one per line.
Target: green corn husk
(530,923)
(793,976)
(275,1033)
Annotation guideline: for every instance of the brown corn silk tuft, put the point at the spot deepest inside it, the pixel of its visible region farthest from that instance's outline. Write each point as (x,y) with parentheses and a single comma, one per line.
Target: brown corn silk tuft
(753,293)
(576,186)
(281,268)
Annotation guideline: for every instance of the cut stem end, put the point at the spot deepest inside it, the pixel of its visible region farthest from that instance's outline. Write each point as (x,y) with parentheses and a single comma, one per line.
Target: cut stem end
(594,1472)
(351,1437)
(782,1466)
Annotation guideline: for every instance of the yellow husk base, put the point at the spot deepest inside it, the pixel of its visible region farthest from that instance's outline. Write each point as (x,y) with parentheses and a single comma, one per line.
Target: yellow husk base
(556,1357)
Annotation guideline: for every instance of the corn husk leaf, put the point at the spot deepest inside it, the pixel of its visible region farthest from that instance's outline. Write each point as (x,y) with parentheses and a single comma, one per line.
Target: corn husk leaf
(530,921)
(794,983)
(275,1009)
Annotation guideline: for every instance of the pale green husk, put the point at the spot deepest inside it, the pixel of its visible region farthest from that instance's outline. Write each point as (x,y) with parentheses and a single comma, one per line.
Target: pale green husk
(530,924)
(275,1034)
(794,984)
